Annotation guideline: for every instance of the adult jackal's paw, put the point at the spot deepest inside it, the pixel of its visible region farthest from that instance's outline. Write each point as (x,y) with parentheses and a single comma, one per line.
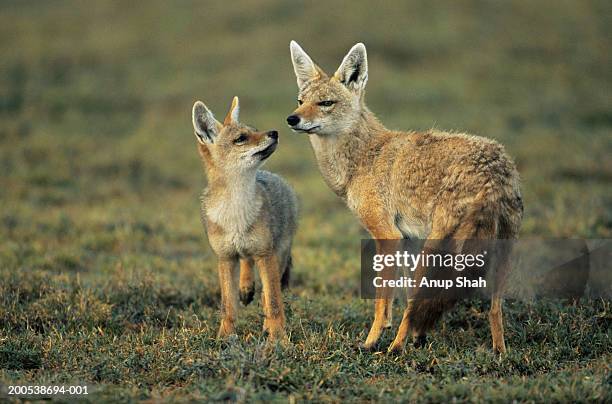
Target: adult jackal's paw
(396,347)
(226,329)
(247,294)
(369,346)
(371,342)
(278,337)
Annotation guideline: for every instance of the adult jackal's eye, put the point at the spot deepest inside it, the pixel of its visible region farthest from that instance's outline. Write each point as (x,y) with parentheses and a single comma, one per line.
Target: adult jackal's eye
(326,103)
(240,139)
(300,102)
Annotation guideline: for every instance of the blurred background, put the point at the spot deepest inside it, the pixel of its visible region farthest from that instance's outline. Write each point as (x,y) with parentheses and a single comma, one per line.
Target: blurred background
(95,98)
(97,151)
(101,245)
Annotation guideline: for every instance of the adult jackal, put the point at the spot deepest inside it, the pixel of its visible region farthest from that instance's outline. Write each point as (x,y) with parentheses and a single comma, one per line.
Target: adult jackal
(432,184)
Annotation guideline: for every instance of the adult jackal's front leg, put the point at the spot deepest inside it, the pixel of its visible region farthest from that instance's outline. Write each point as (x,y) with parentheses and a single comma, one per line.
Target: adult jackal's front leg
(228,272)
(274,311)
(381,226)
(383,307)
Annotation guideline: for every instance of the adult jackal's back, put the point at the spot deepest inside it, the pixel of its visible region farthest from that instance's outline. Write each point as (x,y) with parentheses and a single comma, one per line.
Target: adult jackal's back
(432,184)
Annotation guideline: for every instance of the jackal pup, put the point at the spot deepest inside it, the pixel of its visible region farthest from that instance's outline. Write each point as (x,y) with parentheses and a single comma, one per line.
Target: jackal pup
(250,215)
(432,184)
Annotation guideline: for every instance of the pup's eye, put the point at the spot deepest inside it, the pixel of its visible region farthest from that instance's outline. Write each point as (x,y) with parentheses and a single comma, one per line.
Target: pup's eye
(326,103)
(240,139)
(300,102)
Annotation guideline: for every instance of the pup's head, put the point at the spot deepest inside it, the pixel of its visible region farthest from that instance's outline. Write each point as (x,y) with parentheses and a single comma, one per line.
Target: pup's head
(328,105)
(231,146)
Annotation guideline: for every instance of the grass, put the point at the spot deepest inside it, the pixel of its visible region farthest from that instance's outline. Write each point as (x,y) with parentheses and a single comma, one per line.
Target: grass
(107,278)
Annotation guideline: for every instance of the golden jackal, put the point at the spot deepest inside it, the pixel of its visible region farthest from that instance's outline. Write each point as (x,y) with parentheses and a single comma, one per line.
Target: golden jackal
(250,215)
(432,184)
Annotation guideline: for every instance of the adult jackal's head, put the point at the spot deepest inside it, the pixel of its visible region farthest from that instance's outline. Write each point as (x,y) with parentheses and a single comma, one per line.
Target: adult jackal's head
(328,105)
(231,146)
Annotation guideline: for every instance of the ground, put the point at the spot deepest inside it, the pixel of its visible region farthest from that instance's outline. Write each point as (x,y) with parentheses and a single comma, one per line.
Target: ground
(107,278)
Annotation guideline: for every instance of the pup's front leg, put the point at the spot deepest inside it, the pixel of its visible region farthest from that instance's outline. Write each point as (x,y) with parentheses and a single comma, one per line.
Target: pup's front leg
(274,311)
(228,272)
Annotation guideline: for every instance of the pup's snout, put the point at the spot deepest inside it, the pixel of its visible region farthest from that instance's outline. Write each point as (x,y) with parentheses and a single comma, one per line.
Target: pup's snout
(273,134)
(293,120)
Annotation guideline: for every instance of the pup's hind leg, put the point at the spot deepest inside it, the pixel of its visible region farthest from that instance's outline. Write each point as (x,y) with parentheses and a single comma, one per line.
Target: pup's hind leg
(247,281)
(274,310)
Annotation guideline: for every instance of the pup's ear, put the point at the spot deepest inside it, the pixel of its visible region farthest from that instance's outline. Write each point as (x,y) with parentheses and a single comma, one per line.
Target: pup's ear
(305,69)
(205,125)
(232,115)
(353,71)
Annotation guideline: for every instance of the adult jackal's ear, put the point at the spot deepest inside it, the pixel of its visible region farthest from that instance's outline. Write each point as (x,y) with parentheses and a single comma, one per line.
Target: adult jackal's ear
(205,125)
(232,115)
(305,69)
(353,71)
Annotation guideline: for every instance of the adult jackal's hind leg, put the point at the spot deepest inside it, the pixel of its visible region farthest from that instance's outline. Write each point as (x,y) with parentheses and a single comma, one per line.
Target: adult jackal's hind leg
(274,310)
(423,308)
(499,280)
